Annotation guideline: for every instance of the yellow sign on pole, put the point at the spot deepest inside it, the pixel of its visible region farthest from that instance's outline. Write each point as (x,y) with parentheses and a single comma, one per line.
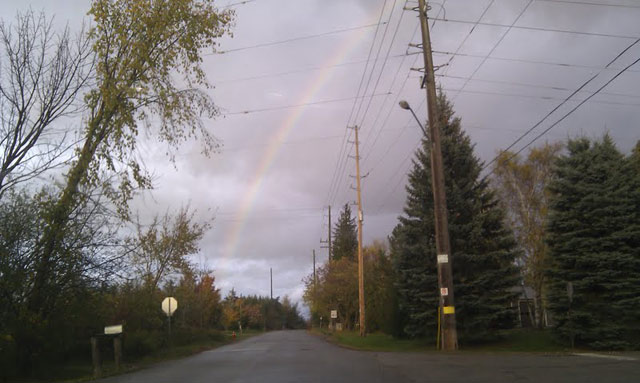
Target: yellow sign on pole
(449,310)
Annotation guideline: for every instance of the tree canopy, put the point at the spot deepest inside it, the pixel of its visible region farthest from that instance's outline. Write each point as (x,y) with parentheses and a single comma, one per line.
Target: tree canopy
(594,244)
(345,239)
(483,247)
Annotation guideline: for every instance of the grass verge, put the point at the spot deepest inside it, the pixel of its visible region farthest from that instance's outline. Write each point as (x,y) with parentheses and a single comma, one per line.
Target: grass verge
(516,340)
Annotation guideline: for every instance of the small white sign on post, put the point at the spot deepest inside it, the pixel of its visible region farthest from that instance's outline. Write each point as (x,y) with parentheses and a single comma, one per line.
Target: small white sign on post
(444,291)
(443,258)
(169,305)
(113,330)
(334,314)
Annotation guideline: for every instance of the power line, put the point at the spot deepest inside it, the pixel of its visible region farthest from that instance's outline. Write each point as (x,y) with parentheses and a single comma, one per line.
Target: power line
(460,90)
(563,102)
(484,59)
(343,145)
(384,35)
(301,70)
(292,39)
(486,9)
(509,59)
(249,111)
(539,29)
(591,3)
(393,81)
(567,114)
(442,9)
(237,3)
(529,85)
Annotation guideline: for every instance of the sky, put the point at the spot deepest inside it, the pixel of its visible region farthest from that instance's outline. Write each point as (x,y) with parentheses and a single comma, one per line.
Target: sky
(297,73)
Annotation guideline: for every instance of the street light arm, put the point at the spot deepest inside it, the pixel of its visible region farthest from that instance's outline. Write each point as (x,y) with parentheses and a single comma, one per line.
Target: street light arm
(405,105)
(424,130)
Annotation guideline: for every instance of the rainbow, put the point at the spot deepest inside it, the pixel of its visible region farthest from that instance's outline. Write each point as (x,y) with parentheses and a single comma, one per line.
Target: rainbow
(276,141)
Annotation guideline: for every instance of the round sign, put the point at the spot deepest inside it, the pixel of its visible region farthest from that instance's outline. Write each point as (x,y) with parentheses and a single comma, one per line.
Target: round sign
(169,305)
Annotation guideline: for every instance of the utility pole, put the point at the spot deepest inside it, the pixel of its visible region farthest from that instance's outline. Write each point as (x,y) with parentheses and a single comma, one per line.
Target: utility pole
(314,272)
(443,248)
(271,275)
(328,241)
(329,235)
(360,257)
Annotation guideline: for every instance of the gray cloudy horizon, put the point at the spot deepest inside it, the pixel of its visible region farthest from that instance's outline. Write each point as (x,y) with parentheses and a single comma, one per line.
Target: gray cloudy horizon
(530,69)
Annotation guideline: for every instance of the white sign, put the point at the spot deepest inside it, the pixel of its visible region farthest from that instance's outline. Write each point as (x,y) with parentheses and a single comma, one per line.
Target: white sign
(112,330)
(444,291)
(169,305)
(334,314)
(443,258)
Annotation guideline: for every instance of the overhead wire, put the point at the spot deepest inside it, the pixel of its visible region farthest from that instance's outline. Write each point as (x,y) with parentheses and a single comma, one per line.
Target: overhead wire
(565,101)
(511,59)
(523,27)
(496,44)
(384,35)
(529,85)
(566,115)
(422,103)
(299,38)
(294,71)
(382,68)
(369,79)
(592,3)
(466,37)
(343,146)
(393,82)
(267,109)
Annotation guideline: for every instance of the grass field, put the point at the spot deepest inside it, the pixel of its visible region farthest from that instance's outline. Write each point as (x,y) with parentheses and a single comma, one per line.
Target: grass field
(517,340)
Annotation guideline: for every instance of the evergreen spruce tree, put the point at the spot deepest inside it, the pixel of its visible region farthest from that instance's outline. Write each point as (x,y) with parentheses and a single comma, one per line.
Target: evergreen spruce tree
(345,239)
(483,248)
(594,242)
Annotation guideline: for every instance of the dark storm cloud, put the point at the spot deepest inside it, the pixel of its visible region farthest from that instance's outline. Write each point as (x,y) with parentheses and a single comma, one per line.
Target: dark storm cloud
(285,221)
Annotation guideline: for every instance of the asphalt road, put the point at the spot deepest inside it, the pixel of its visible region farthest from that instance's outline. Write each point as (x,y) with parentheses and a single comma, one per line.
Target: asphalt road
(296,356)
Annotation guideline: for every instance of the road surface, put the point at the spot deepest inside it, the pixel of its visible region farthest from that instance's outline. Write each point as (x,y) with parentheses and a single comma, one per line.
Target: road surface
(296,356)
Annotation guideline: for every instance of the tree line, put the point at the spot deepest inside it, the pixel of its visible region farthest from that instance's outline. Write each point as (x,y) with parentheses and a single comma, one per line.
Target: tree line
(74,255)
(564,220)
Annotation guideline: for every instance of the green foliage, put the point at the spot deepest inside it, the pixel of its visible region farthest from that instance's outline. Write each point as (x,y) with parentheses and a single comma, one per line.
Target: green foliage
(345,239)
(260,313)
(379,289)
(594,242)
(336,288)
(483,248)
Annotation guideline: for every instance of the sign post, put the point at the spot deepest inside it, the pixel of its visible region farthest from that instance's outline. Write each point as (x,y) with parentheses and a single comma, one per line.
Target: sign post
(334,316)
(169,306)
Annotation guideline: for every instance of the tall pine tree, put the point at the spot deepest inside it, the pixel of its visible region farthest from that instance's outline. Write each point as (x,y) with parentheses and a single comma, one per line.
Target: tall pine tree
(483,248)
(345,240)
(594,243)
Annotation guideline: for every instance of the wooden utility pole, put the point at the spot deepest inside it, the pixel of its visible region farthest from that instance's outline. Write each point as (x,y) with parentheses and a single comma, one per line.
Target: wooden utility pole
(328,241)
(443,249)
(329,234)
(271,277)
(360,257)
(314,272)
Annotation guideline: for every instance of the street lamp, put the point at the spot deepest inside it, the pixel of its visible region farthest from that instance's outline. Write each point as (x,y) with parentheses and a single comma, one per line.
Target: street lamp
(405,105)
